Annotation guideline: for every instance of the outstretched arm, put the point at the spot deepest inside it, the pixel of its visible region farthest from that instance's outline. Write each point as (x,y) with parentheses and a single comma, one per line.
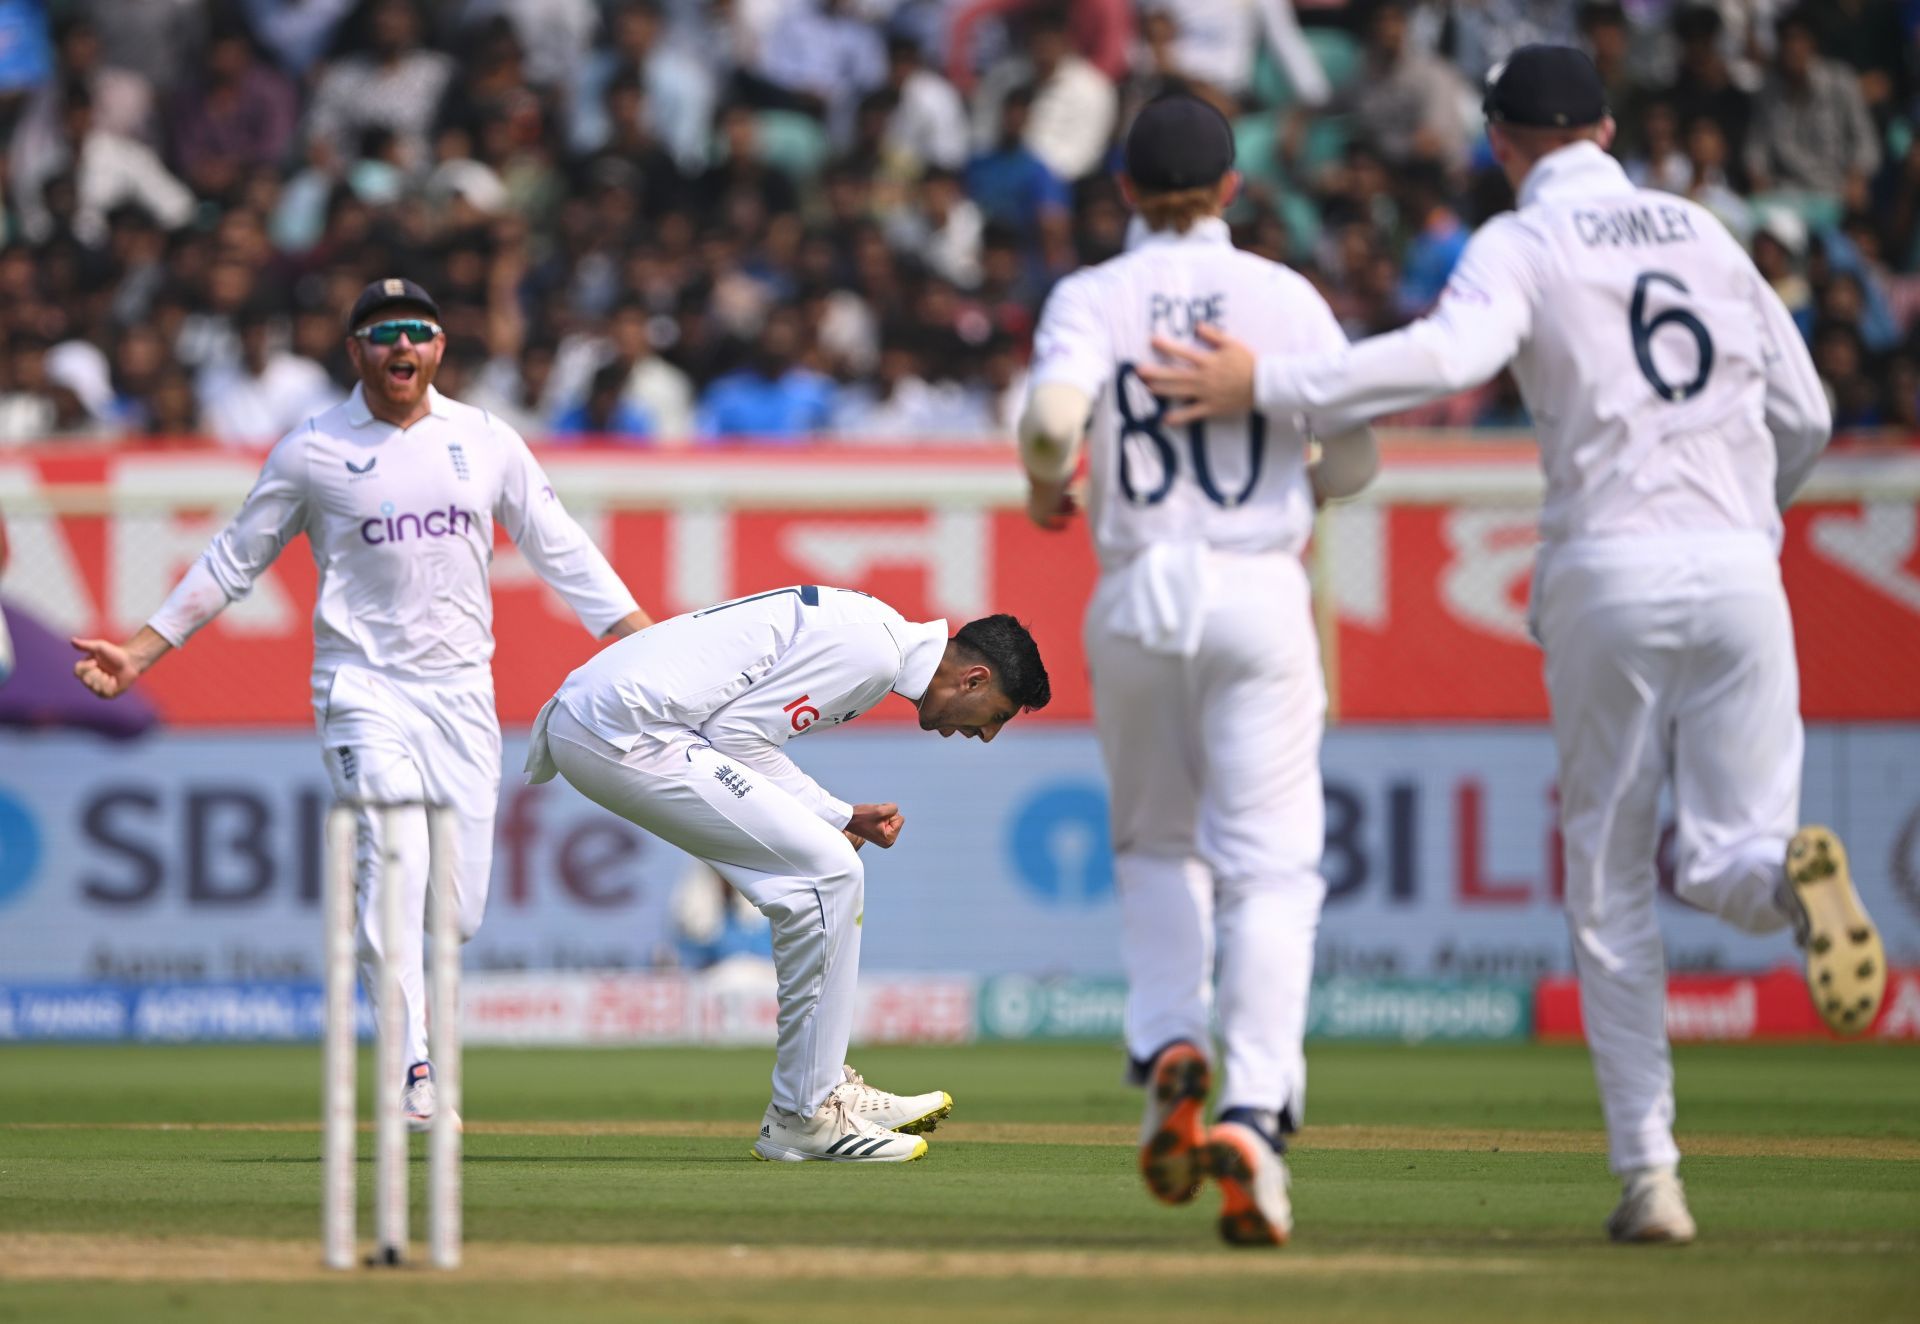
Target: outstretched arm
(273,512)
(1482,320)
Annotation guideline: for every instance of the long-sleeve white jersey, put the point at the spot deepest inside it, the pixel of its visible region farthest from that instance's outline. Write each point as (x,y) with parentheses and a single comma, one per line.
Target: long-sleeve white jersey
(1236,484)
(401,526)
(1669,388)
(749,675)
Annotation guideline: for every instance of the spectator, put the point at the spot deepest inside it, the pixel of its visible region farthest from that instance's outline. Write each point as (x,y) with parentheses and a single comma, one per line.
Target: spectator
(943,228)
(821,58)
(140,359)
(160,40)
(677,84)
(773,398)
(555,34)
(26,57)
(172,410)
(1011,184)
(905,406)
(1605,34)
(612,217)
(650,386)
(1873,38)
(109,170)
(1070,120)
(740,170)
(397,86)
(1661,161)
(1704,84)
(929,120)
(297,32)
(1214,45)
(266,391)
(1812,132)
(631,155)
(607,412)
(1708,184)
(1405,101)
(1779,251)
(1436,239)
(1841,358)
(26,399)
(79,386)
(239,116)
(1102,33)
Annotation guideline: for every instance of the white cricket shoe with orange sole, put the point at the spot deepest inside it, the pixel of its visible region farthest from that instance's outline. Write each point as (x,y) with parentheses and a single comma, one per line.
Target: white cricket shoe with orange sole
(1253,1179)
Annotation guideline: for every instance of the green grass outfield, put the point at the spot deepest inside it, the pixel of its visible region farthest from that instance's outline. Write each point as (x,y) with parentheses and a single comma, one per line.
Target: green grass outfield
(1432,1184)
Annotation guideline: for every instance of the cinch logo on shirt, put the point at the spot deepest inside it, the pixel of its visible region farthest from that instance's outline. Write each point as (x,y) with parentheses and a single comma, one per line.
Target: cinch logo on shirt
(389,527)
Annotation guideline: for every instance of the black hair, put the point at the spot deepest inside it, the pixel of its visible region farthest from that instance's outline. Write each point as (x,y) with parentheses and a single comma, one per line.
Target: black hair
(1004,645)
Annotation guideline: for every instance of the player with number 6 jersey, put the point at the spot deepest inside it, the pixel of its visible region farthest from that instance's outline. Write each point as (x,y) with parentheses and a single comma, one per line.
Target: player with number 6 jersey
(1677,411)
(1207,686)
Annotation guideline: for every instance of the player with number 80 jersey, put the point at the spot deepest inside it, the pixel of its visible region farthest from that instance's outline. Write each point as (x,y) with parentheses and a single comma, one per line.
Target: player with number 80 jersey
(1206,672)
(1237,483)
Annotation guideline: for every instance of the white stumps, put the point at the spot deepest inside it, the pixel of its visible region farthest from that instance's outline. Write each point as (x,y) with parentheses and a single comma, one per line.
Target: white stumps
(340,1122)
(340,1143)
(443,1027)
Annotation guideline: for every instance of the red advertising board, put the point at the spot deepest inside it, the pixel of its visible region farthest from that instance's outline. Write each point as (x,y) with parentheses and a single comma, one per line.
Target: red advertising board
(1736,1008)
(1425,581)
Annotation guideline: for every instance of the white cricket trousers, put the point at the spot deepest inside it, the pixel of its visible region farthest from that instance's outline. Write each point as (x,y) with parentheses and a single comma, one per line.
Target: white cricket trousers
(796,869)
(1668,658)
(389,740)
(1218,822)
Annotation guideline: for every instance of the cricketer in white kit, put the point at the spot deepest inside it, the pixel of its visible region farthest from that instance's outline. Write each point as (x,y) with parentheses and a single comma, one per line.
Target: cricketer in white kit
(398,489)
(682,730)
(1206,674)
(1677,412)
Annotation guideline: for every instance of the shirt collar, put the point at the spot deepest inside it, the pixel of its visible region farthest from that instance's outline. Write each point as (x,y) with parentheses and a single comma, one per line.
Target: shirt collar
(921,648)
(1578,170)
(359,415)
(1206,230)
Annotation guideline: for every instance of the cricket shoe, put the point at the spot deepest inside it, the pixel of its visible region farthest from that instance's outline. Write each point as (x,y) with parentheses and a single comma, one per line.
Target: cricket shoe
(1173,1133)
(1254,1208)
(1846,965)
(1653,1210)
(834,1134)
(417,1102)
(910,1114)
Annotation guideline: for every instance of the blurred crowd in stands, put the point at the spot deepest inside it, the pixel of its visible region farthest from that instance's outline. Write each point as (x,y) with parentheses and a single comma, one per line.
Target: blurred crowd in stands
(661,221)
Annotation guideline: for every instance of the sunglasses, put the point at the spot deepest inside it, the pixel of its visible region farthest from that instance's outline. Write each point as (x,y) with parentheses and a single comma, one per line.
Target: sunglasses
(389,333)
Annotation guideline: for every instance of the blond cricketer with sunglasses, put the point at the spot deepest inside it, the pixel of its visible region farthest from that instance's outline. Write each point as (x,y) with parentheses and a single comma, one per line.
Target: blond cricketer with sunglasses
(398,490)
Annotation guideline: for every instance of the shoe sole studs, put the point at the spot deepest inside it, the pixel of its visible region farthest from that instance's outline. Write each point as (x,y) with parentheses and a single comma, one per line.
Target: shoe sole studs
(1173,1159)
(1846,967)
(922,1125)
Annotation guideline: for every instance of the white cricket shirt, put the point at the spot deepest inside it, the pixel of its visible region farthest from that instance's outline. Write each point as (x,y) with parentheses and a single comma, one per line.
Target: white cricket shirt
(749,675)
(401,526)
(1669,388)
(1236,484)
